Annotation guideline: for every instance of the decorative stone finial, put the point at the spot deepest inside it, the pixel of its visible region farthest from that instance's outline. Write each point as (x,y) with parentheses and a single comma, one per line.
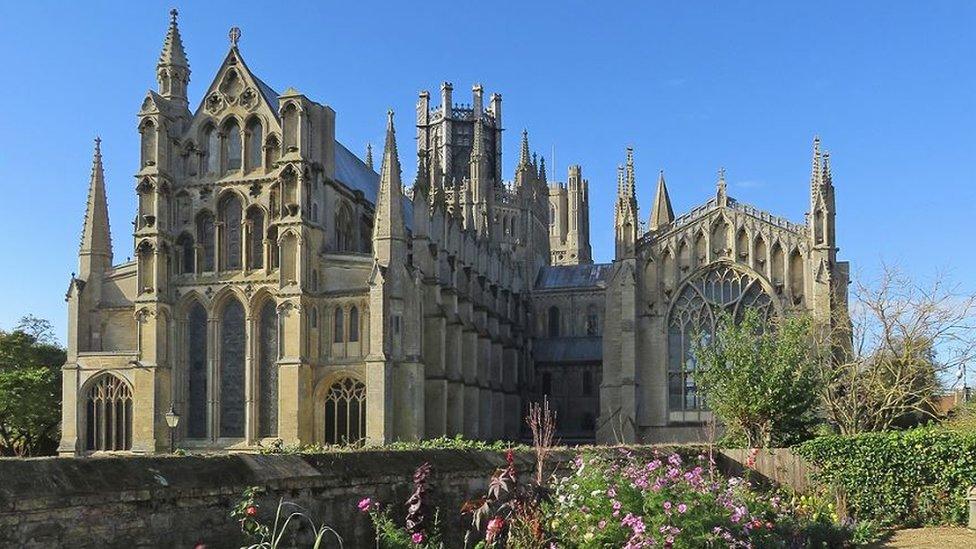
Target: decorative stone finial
(235,36)
(173,13)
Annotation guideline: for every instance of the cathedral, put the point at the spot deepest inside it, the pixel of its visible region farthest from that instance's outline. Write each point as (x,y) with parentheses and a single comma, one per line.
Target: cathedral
(282,289)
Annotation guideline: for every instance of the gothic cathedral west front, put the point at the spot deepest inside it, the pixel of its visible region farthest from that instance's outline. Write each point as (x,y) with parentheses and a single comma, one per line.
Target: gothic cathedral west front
(282,289)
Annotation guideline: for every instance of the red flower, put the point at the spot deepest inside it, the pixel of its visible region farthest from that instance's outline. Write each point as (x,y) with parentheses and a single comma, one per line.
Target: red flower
(495,526)
(251,511)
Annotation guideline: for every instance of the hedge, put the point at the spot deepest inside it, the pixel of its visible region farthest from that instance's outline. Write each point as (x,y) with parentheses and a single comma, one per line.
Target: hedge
(899,478)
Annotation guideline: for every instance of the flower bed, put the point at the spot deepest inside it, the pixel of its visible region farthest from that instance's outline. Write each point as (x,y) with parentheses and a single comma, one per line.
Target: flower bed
(624,499)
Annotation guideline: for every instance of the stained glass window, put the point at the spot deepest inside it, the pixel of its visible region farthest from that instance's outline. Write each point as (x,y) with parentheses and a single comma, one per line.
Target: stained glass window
(232,353)
(695,312)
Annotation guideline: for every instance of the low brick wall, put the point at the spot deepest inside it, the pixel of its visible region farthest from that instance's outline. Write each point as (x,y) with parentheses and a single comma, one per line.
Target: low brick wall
(180,501)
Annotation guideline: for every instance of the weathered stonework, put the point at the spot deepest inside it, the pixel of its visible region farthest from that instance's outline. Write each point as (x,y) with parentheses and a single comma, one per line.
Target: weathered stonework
(283,289)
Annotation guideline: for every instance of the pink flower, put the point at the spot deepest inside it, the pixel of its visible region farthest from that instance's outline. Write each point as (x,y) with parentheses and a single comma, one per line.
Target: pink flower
(667,505)
(602,524)
(365,504)
(682,507)
(417,538)
(495,526)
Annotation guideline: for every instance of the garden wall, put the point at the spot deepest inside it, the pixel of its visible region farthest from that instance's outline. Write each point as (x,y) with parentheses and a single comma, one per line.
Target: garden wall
(181,501)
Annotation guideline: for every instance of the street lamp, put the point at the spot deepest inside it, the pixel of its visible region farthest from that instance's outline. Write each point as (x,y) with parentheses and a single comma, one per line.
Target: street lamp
(172,419)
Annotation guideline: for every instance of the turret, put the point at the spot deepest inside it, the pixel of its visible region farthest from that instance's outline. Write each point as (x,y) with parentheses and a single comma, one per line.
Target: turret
(721,189)
(626,212)
(369,155)
(389,231)
(661,214)
(173,69)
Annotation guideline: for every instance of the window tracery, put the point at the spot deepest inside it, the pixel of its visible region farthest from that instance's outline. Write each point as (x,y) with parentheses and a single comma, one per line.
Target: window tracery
(345,412)
(694,315)
(109,415)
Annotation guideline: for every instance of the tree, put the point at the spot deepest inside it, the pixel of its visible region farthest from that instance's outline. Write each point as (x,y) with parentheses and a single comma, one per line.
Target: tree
(30,389)
(759,378)
(885,360)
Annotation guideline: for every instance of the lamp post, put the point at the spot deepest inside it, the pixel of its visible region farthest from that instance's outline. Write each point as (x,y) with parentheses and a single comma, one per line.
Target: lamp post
(172,419)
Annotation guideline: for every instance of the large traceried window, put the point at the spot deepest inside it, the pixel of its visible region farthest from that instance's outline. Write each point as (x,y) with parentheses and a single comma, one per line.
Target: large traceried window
(345,412)
(268,371)
(232,352)
(108,415)
(695,313)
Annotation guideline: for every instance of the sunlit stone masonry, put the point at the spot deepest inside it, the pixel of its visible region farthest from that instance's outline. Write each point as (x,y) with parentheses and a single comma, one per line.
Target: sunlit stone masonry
(283,289)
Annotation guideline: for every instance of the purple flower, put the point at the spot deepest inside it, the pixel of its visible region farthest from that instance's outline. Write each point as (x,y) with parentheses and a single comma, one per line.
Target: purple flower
(682,507)
(417,538)
(365,504)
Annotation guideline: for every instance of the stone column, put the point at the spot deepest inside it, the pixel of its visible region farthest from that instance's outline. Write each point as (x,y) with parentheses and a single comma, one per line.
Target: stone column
(469,362)
(455,380)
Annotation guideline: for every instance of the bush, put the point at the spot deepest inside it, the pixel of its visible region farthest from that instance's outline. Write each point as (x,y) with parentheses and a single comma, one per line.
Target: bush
(667,501)
(899,478)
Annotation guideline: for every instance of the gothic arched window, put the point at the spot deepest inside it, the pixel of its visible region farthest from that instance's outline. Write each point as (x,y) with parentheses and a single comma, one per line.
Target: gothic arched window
(212,163)
(694,315)
(196,424)
(592,321)
(343,229)
(268,371)
(233,349)
(205,235)
(232,147)
(108,415)
(148,143)
(255,143)
(345,412)
(553,321)
(289,127)
(354,324)
(255,238)
(230,212)
(337,335)
(186,260)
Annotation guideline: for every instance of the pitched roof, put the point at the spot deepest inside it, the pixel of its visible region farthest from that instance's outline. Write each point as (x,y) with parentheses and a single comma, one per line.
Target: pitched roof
(572,276)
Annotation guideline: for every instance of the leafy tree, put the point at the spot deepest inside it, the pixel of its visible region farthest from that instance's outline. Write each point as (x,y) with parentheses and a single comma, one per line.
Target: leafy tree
(30,389)
(759,379)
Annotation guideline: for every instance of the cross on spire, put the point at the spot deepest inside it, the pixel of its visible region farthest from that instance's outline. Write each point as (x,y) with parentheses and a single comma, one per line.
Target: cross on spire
(235,36)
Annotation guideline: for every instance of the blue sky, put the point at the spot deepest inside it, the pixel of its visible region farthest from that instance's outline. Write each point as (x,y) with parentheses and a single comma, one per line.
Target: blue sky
(693,86)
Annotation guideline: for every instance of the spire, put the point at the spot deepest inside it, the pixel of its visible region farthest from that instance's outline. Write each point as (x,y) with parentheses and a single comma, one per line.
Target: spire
(542,169)
(620,180)
(96,237)
(661,215)
(630,182)
(173,69)
(369,155)
(826,178)
(421,183)
(524,152)
(389,232)
(721,189)
(815,170)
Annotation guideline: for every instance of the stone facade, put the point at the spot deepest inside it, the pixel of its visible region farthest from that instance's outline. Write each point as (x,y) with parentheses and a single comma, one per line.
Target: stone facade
(283,289)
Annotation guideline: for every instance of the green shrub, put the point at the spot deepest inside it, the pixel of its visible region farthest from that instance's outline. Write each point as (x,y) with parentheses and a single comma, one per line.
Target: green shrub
(899,478)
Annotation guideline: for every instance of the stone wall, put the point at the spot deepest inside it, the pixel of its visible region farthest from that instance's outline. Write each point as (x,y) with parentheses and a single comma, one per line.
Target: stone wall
(174,502)
(180,501)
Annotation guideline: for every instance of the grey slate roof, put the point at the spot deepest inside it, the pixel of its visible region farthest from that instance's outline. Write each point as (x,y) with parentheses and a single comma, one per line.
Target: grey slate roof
(572,276)
(569,349)
(269,94)
(357,176)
